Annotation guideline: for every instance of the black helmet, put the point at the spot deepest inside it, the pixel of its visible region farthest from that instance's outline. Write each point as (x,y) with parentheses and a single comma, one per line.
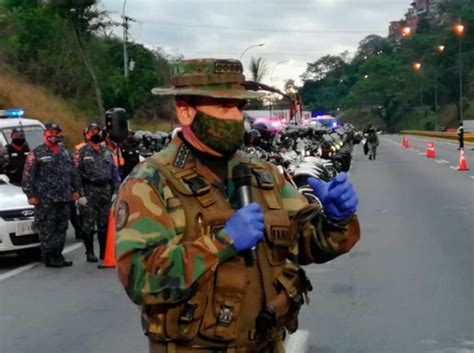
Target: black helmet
(252,137)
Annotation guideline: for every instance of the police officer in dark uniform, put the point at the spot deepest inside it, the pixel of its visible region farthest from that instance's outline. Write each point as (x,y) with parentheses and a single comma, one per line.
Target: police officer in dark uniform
(50,182)
(99,179)
(131,154)
(17,151)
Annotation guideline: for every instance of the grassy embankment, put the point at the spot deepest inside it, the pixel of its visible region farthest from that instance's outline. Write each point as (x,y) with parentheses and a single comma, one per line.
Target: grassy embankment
(39,103)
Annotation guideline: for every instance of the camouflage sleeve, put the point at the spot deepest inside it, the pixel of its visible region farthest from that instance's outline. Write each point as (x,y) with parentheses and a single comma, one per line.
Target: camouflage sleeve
(154,264)
(29,171)
(319,240)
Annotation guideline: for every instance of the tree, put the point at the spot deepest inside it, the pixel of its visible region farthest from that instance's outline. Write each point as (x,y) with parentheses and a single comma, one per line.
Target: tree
(83,19)
(258,69)
(329,64)
(373,45)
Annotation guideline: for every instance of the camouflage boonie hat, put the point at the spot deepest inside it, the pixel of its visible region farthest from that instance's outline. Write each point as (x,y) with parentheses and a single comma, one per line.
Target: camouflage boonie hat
(217,78)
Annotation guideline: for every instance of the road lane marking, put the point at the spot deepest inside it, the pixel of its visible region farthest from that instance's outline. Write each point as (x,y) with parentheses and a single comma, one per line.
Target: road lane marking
(296,342)
(472,176)
(17,271)
(28,267)
(438,161)
(72,247)
(453,167)
(444,161)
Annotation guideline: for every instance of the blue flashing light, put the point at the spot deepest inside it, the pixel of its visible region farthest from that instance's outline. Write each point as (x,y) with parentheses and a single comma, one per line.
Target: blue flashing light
(17,113)
(11,113)
(334,124)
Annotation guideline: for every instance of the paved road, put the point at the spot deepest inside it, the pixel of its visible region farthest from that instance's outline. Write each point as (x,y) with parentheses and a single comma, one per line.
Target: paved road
(407,287)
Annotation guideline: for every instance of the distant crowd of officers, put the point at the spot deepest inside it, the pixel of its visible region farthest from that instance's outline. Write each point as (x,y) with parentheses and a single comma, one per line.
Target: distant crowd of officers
(79,187)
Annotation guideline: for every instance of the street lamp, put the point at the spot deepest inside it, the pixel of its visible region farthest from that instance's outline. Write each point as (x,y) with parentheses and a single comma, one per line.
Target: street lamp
(366,77)
(459,31)
(439,50)
(271,80)
(250,47)
(417,66)
(406,31)
(274,67)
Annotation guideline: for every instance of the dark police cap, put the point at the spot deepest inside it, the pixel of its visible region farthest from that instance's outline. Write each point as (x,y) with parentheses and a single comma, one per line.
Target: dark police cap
(17,130)
(52,126)
(92,127)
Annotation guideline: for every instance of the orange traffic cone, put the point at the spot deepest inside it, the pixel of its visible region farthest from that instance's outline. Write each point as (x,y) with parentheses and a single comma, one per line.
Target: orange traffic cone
(462,161)
(404,142)
(109,259)
(430,151)
(407,144)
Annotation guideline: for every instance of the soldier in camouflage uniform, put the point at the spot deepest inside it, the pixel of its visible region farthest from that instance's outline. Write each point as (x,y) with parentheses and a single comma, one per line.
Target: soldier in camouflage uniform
(50,182)
(99,179)
(184,251)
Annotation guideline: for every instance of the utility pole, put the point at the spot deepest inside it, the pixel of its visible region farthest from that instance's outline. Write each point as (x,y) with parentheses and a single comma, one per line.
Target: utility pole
(125,40)
(125,20)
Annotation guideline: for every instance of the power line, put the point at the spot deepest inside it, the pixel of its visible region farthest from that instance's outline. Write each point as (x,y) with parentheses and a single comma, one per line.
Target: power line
(262,54)
(245,29)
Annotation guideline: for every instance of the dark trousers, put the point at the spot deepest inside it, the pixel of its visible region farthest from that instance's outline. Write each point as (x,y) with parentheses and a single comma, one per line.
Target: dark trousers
(96,215)
(74,218)
(51,222)
(461,141)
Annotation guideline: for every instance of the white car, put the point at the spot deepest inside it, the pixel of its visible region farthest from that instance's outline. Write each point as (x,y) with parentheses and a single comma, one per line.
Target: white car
(16,215)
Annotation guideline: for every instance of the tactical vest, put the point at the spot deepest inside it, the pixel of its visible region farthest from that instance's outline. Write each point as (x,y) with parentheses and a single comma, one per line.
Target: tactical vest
(222,311)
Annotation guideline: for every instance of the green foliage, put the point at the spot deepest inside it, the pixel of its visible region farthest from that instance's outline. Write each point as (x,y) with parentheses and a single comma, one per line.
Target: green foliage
(66,46)
(380,80)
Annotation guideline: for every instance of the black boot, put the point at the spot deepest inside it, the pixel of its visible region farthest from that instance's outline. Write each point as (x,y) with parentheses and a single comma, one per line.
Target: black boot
(52,261)
(66,263)
(102,237)
(90,257)
(88,243)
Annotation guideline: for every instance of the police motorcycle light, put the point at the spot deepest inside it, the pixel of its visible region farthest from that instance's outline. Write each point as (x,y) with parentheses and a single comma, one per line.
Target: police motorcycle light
(11,113)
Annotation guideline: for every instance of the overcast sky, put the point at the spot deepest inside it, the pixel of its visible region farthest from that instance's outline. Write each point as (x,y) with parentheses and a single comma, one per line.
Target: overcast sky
(294,32)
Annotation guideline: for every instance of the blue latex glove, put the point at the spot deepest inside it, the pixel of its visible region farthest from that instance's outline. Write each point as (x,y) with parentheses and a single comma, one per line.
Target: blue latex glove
(246,226)
(338,196)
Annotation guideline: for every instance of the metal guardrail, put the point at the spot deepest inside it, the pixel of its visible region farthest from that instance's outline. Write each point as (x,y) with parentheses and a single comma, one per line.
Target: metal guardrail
(468,137)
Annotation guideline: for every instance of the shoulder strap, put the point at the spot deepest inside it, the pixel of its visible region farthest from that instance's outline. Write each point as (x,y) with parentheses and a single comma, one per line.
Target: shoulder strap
(187,182)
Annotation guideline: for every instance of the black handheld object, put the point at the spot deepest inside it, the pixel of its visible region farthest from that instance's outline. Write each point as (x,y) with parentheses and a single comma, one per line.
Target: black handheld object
(242,177)
(116,124)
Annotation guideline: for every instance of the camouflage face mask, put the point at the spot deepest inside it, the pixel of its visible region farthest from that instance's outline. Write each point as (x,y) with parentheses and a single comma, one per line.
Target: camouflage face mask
(223,136)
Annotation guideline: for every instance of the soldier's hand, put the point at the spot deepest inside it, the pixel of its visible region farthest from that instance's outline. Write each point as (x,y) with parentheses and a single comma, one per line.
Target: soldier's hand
(338,196)
(33,201)
(82,201)
(246,227)
(75,196)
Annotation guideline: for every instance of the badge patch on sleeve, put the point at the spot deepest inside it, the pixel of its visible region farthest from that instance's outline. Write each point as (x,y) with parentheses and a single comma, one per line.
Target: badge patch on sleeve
(121,216)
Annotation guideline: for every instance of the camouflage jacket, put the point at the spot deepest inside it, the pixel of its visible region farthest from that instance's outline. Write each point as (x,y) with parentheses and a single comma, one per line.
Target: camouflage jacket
(156,266)
(50,177)
(96,168)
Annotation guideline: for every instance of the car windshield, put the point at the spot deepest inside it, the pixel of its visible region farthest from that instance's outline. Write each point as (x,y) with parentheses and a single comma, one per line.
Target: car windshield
(33,134)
